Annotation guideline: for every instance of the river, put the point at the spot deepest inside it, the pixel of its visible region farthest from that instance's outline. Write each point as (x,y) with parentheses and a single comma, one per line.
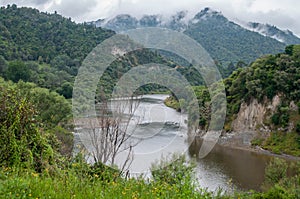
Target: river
(161,131)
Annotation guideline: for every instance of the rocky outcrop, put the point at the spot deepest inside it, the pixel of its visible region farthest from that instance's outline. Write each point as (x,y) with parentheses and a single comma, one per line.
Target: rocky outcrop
(252,115)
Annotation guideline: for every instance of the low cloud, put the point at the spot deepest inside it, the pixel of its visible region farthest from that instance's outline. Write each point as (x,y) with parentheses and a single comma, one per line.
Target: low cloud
(76,10)
(284,14)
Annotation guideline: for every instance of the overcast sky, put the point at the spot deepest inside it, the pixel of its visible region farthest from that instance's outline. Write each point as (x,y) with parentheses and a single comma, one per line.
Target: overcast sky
(284,14)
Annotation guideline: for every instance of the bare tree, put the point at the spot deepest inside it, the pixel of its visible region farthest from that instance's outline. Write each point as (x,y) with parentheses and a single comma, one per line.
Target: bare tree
(108,132)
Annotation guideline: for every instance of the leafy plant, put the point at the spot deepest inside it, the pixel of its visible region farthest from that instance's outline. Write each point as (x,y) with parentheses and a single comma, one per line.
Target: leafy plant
(174,171)
(22,143)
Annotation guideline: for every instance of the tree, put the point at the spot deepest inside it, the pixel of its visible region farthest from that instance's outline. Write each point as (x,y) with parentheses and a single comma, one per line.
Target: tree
(289,50)
(16,71)
(66,90)
(51,107)
(3,65)
(108,133)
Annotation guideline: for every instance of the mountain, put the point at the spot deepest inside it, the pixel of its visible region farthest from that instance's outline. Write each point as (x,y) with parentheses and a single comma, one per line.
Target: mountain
(222,38)
(285,36)
(227,41)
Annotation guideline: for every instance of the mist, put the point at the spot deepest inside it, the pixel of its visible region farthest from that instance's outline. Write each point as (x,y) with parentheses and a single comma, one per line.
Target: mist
(283,14)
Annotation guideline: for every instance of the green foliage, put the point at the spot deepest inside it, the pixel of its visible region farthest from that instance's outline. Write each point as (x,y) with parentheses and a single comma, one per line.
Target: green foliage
(52,108)
(175,171)
(298,127)
(279,183)
(62,140)
(81,180)
(257,141)
(275,119)
(289,50)
(32,35)
(172,102)
(281,117)
(22,143)
(283,143)
(3,65)
(263,79)
(49,48)
(66,90)
(224,40)
(276,171)
(17,71)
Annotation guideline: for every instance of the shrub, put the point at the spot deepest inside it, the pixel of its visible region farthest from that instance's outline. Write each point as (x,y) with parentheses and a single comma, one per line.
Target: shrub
(22,143)
(275,119)
(275,171)
(257,141)
(174,171)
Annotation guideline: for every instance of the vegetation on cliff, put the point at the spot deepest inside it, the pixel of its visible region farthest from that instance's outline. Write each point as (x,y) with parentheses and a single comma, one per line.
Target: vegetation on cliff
(267,77)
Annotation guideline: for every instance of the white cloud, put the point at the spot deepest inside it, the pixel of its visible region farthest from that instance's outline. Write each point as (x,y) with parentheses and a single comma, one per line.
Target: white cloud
(284,14)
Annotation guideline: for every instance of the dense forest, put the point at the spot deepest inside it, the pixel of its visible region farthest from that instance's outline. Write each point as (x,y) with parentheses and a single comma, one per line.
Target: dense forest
(43,48)
(224,39)
(267,77)
(40,54)
(48,49)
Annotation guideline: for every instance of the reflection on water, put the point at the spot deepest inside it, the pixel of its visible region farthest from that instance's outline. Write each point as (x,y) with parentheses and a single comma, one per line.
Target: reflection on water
(227,168)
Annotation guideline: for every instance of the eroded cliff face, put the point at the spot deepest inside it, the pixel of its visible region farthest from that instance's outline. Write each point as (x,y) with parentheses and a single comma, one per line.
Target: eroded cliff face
(251,116)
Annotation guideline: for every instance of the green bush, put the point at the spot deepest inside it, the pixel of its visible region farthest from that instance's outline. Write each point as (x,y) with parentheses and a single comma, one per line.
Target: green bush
(276,171)
(22,143)
(257,141)
(174,171)
(283,143)
(275,119)
(281,117)
(279,183)
(298,127)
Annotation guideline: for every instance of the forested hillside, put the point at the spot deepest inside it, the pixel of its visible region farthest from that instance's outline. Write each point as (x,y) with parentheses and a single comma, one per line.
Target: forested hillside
(47,49)
(224,39)
(43,48)
(263,97)
(28,34)
(221,38)
(271,84)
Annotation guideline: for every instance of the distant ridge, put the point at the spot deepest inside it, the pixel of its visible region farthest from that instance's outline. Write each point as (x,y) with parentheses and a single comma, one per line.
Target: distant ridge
(226,41)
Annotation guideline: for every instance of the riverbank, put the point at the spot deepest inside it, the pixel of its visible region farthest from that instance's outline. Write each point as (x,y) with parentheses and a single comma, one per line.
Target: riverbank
(242,141)
(247,140)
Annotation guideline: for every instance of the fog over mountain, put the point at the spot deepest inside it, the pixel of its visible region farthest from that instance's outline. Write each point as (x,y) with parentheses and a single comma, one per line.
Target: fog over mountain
(182,19)
(221,37)
(283,14)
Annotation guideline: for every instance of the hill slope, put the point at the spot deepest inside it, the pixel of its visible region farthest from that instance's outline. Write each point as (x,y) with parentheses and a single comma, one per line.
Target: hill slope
(48,49)
(28,34)
(222,38)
